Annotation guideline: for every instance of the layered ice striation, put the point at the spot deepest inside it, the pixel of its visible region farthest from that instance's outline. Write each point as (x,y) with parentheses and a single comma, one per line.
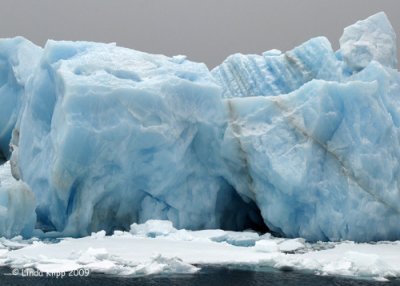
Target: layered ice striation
(304,142)
(274,72)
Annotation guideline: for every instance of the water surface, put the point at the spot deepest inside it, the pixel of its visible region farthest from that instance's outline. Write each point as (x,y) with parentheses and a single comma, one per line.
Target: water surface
(208,276)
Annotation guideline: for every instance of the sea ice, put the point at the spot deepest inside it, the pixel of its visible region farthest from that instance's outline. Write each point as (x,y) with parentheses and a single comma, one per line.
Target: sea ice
(153,228)
(132,255)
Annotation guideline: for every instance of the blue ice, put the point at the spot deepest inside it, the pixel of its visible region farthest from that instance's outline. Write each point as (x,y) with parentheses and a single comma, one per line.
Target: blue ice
(305,141)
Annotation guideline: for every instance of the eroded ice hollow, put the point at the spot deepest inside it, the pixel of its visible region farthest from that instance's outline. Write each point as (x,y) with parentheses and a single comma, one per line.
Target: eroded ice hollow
(304,142)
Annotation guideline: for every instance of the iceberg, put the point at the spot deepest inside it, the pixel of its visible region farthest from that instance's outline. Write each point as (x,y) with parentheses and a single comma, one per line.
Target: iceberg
(322,161)
(112,136)
(303,143)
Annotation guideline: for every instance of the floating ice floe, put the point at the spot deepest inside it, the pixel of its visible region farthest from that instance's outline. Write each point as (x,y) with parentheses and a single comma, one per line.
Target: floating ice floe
(134,255)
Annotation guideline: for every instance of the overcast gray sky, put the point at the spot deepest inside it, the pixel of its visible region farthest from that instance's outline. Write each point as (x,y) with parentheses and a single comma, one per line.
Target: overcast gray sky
(204,30)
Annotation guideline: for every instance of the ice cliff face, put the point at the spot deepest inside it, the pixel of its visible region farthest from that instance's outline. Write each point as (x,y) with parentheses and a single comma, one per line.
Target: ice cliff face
(111,136)
(305,141)
(18,57)
(322,161)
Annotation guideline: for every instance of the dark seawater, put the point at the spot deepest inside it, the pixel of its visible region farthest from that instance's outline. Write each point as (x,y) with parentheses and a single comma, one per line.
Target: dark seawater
(208,276)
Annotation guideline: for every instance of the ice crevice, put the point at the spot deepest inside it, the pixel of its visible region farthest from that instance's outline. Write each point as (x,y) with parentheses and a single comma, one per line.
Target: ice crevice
(236,131)
(304,143)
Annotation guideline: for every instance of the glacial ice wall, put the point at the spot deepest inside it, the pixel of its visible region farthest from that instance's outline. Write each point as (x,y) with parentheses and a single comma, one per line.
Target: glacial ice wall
(305,141)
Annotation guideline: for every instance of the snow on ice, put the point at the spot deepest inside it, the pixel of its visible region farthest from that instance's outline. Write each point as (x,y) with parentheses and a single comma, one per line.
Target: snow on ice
(184,251)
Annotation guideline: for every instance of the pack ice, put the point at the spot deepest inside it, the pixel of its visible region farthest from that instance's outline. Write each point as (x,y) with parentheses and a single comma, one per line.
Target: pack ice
(304,142)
